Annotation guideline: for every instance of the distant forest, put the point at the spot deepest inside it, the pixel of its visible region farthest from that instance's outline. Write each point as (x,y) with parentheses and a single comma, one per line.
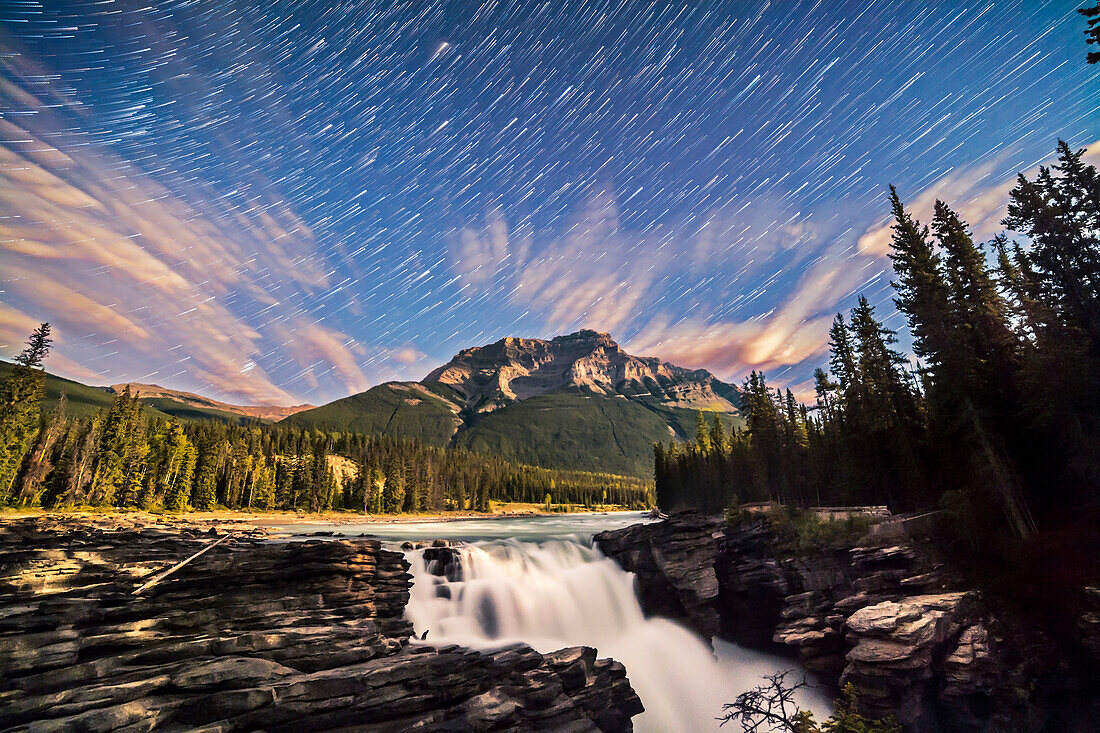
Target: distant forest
(998,420)
(127,457)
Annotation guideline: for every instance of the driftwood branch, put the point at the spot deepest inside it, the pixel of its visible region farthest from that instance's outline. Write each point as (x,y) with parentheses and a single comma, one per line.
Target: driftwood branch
(161,576)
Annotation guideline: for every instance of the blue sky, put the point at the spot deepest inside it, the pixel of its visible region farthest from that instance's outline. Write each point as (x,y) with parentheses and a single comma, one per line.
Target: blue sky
(274,202)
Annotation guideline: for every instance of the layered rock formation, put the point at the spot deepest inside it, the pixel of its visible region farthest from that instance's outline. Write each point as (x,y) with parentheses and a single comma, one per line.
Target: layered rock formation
(488,377)
(256,635)
(674,563)
(915,642)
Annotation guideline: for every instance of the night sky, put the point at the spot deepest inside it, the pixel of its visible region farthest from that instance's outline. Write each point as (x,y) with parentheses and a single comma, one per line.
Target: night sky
(278,202)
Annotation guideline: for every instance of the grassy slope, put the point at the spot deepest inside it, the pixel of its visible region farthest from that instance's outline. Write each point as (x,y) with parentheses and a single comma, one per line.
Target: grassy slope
(182,411)
(386,409)
(683,421)
(571,430)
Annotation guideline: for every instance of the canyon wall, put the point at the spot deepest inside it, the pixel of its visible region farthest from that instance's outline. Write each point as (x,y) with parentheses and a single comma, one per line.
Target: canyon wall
(885,615)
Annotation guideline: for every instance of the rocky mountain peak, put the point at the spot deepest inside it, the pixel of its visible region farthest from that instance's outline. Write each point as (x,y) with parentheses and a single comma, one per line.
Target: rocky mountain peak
(491,376)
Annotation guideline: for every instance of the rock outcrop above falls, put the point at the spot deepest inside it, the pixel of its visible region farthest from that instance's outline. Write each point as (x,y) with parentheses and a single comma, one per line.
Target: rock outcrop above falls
(674,562)
(914,640)
(256,635)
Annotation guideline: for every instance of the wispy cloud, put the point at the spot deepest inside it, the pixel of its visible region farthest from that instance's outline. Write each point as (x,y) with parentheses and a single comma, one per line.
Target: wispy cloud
(592,275)
(599,274)
(407,355)
(94,245)
(797,331)
(321,351)
(793,333)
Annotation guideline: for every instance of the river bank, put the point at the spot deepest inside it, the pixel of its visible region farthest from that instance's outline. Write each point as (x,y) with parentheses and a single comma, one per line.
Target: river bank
(509,510)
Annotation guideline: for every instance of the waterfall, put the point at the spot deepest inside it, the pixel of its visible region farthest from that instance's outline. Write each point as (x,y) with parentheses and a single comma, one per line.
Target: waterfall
(561,593)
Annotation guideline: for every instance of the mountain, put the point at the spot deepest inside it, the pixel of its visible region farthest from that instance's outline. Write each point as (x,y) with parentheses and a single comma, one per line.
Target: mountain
(575,402)
(515,369)
(188,404)
(82,400)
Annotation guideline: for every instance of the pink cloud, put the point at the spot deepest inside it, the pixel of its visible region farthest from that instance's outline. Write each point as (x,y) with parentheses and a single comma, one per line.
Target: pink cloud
(91,244)
(407,355)
(978,193)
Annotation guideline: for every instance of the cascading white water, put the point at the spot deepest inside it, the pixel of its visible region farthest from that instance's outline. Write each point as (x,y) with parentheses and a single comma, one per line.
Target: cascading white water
(561,593)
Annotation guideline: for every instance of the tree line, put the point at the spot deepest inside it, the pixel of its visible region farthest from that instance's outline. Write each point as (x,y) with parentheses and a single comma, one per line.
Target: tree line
(123,457)
(997,420)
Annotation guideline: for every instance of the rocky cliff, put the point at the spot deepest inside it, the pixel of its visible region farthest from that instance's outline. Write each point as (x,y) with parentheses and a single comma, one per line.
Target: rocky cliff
(674,562)
(256,635)
(885,616)
(512,369)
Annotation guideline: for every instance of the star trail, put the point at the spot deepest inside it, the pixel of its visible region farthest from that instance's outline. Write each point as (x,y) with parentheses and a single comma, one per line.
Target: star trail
(291,201)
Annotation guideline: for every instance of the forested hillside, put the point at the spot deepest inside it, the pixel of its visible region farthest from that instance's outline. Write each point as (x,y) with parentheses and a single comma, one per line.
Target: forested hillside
(589,432)
(82,400)
(400,410)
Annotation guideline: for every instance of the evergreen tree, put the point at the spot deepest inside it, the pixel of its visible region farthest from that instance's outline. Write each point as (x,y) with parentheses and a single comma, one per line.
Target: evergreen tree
(37,464)
(826,392)
(718,440)
(922,291)
(1060,212)
(702,433)
(1092,32)
(20,398)
(178,478)
(763,419)
(320,482)
(843,360)
(129,489)
(378,489)
(887,428)
(108,473)
(393,497)
(988,347)
(204,486)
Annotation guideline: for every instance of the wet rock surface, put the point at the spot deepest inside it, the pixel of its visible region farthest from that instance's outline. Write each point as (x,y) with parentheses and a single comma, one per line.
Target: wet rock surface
(255,635)
(914,641)
(675,565)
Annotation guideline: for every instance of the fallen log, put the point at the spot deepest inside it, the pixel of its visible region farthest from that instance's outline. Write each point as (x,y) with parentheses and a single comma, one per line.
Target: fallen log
(156,579)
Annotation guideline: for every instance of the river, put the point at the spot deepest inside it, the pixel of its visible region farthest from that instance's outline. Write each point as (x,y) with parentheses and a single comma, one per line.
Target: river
(539,580)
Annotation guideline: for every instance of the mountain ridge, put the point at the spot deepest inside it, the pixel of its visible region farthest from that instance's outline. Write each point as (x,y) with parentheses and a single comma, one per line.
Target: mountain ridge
(191,399)
(577,401)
